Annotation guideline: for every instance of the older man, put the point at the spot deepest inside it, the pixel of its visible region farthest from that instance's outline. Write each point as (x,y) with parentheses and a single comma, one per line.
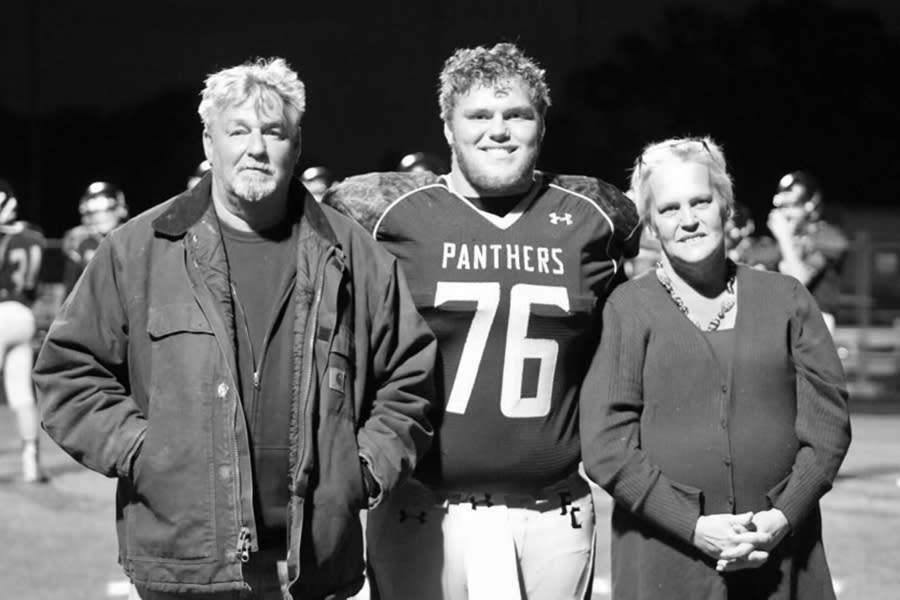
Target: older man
(509,266)
(250,365)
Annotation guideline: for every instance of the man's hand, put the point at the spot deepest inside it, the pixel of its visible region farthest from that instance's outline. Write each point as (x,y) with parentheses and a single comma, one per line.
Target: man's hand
(781,226)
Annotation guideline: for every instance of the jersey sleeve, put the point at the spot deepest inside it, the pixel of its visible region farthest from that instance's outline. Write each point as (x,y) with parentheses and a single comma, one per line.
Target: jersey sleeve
(364,198)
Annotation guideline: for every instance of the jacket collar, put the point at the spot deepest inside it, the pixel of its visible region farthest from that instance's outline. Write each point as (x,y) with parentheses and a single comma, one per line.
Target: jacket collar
(188,207)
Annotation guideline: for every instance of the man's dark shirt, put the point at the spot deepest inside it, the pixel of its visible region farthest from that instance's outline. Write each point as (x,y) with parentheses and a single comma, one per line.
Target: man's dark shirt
(262,270)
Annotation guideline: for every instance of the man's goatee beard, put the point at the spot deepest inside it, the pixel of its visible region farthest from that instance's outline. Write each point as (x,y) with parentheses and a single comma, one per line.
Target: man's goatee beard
(253,190)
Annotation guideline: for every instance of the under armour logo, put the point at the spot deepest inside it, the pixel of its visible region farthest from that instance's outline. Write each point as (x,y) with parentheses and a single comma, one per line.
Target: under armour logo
(421,517)
(556,219)
(474,501)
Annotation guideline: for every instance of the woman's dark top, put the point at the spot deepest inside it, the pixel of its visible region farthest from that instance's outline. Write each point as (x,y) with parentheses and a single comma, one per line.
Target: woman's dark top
(673,430)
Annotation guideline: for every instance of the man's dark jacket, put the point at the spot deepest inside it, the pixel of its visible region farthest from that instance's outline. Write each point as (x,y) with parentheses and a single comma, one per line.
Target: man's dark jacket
(137,380)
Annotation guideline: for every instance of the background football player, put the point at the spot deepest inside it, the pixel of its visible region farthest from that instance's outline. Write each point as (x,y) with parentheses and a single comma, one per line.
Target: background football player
(21,251)
(202,169)
(317,180)
(510,267)
(102,208)
(812,250)
(421,161)
(744,246)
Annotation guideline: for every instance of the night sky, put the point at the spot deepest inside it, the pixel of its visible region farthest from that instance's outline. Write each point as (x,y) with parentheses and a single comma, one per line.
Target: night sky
(106,90)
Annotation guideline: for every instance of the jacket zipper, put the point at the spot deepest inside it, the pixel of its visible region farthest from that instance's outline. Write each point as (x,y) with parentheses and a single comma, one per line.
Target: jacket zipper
(244,541)
(243,545)
(244,537)
(305,374)
(258,362)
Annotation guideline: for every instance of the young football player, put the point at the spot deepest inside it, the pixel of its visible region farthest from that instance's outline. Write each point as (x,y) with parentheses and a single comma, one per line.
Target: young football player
(21,251)
(102,208)
(510,267)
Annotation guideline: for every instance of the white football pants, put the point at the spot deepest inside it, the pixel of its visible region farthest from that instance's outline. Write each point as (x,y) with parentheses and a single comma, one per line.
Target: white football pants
(16,330)
(477,546)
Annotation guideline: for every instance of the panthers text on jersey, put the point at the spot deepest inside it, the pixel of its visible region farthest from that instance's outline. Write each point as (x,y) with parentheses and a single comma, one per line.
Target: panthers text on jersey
(515,304)
(21,252)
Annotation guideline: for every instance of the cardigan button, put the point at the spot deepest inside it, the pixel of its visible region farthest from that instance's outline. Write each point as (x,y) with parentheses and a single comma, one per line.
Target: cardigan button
(222,390)
(724,388)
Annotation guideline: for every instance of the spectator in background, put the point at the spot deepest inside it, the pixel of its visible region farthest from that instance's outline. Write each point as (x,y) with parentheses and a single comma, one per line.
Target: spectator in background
(202,169)
(744,247)
(317,180)
(648,253)
(102,208)
(812,250)
(21,251)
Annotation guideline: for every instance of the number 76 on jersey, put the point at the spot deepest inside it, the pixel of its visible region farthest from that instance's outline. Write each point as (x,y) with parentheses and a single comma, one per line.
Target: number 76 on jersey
(518,346)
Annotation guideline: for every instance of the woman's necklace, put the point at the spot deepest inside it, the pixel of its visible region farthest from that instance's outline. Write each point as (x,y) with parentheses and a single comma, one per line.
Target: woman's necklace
(727,303)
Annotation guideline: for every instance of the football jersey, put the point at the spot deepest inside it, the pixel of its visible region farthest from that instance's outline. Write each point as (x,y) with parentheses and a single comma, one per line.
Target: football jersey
(21,252)
(515,303)
(79,245)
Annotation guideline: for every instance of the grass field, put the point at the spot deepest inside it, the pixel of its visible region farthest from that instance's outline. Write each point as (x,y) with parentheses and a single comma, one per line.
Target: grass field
(59,542)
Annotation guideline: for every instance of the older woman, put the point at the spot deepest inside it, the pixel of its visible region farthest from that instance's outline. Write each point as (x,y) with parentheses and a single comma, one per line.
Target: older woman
(715,409)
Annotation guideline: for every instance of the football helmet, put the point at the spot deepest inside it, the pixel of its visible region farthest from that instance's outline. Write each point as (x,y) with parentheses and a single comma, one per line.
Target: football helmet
(317,180)
(202,169)
(102,207)
(421,161)
(8,203)
(799,191)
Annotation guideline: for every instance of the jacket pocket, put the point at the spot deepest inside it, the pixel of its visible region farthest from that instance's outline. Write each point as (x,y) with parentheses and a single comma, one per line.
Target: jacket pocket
(170,512)
(333,535)
(338,378)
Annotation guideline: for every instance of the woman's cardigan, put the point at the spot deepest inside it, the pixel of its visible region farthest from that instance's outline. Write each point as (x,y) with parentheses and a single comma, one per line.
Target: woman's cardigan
(671,435)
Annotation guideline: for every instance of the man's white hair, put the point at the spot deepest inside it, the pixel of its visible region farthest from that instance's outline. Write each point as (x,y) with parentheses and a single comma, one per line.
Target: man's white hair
(271,82)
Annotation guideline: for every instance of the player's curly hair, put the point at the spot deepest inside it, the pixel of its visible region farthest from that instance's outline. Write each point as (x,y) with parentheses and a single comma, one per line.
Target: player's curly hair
(273,84)
(490,67)
(700,150)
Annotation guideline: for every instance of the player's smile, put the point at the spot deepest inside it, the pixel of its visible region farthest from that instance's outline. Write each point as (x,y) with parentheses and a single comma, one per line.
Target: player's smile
(500,149)
(495,134)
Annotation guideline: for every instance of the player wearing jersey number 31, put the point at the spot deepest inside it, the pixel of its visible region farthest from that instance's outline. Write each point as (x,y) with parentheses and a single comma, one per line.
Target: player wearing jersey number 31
(21,251)
(510,267)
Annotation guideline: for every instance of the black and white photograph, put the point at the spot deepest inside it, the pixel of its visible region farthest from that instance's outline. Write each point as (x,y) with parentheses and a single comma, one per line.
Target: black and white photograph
(509,300)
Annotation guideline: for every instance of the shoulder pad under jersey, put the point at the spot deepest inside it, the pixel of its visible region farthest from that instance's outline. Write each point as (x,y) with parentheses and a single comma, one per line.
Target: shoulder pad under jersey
(365,197)
(617,206)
